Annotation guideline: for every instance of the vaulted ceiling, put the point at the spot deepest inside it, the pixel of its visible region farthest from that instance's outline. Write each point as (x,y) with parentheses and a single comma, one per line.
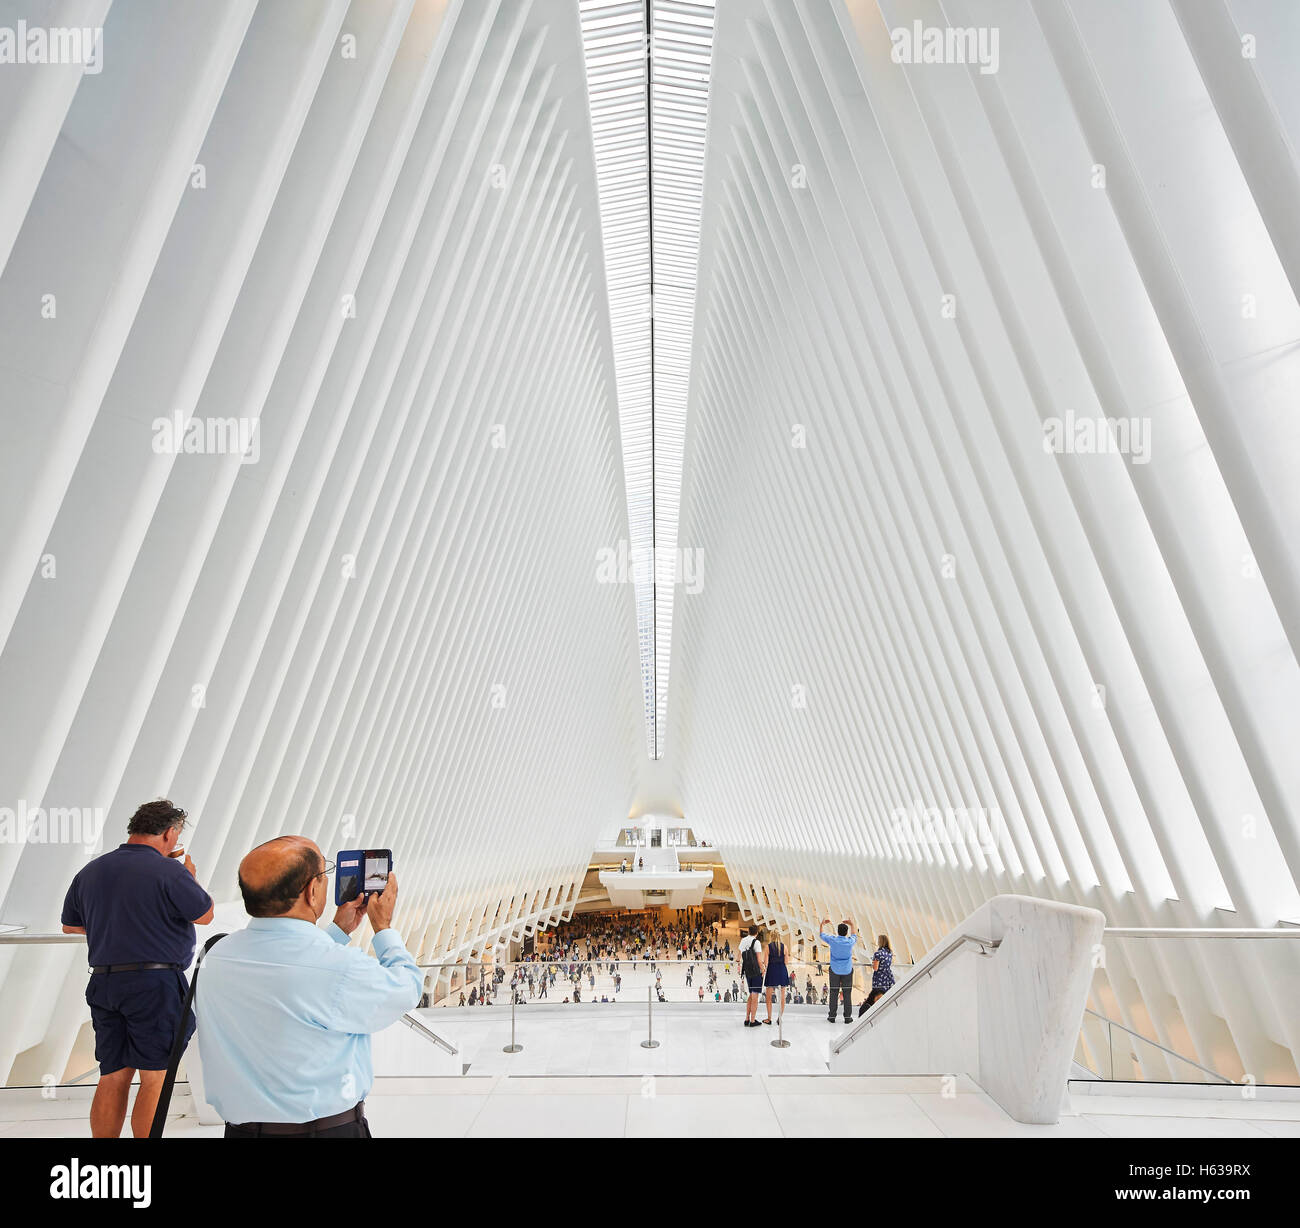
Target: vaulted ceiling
(351,355)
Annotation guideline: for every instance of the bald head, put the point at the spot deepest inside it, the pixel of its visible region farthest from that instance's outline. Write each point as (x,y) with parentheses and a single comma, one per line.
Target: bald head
(274,874)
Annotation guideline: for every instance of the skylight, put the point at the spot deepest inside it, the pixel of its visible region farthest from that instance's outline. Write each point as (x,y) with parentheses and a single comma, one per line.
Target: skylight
(648,79)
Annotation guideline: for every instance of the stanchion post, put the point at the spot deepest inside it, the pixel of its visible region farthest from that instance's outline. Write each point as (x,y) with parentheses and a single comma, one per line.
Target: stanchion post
(780,1042)
(512,1047)
(650,1042)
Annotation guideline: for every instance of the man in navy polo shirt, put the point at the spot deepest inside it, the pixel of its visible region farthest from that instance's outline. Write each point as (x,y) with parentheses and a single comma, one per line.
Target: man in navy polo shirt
(138,907)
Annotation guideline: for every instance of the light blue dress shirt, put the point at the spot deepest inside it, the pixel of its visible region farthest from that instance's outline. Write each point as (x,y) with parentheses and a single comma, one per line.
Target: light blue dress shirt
(285,1010)
(841,951)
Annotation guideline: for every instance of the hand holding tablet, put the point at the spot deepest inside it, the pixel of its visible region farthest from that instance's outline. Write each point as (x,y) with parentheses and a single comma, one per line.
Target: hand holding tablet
(361,872)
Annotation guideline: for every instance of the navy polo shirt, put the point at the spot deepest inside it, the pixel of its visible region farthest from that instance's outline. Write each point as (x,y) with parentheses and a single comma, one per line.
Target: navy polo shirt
(137,907)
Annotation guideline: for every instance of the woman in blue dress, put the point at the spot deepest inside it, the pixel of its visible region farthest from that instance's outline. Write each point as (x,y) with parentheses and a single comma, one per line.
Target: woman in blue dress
(882,970)
(777,975)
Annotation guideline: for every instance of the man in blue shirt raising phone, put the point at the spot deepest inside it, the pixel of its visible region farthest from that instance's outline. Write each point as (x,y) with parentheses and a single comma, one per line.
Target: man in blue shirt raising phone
(841,944)
(286,1008)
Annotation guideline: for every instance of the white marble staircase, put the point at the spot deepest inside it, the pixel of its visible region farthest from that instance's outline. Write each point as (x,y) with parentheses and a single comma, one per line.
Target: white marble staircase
(1000,999)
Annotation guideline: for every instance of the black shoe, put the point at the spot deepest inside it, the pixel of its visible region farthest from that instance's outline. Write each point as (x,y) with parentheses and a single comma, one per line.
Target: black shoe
(848,1020)
(831,1019)
(768,1022)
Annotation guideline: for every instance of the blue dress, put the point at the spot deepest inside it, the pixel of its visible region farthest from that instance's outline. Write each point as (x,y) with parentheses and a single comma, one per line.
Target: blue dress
(778,977)
(883,977)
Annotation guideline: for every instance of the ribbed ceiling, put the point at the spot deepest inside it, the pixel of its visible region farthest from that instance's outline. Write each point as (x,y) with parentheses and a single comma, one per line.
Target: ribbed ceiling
(949,636)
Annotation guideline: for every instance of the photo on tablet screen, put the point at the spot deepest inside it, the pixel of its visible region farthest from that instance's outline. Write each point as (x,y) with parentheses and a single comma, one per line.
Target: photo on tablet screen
(376,873)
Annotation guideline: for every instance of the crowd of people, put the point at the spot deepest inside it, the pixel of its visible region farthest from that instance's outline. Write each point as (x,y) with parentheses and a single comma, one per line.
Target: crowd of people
(568,961)
(634,936)
(587,959)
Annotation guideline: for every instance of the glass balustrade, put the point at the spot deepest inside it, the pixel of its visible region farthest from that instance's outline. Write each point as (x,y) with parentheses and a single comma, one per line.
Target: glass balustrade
(1125,1038)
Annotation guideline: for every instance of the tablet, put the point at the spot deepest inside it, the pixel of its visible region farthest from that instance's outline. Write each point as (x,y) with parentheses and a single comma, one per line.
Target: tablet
(361,872)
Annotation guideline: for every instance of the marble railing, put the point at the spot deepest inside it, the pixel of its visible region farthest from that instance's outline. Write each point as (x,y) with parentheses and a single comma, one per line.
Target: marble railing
(1006,1013)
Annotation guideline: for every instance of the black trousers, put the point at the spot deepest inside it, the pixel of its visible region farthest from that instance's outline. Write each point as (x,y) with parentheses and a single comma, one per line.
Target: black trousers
(841,982)
(349,1129)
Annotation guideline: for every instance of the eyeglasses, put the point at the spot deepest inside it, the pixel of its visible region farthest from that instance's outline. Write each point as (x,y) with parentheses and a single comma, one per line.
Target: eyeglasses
(329,869)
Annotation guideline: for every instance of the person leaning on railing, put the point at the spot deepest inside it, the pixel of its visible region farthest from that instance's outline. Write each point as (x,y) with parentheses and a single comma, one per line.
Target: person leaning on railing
(286,1009)
(882,970)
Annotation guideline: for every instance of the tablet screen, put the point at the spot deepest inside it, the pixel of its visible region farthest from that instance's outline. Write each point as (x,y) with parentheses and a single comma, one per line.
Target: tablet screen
(376,874)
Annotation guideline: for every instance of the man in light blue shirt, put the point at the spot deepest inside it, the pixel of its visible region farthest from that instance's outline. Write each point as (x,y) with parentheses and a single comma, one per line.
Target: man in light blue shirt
(285,1009)
(841,944)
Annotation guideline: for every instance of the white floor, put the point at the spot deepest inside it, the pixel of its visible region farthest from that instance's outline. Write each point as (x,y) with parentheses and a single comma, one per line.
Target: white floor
(583,1072)
(758,1105)
(605,1039)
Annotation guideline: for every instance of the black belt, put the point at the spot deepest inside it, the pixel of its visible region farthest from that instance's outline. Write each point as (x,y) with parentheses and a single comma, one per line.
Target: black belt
(134,967)
(355,1113)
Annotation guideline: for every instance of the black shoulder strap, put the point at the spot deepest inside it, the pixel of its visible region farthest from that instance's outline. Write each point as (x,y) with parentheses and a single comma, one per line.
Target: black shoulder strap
(178,1045)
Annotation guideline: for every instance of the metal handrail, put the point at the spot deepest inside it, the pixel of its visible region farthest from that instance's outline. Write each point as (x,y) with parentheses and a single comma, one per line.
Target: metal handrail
(37,939)
(428,1033)
(1115,1023)
(627,959)
(1149,932)
(922,972)
(15,939)
(478,963)
(18,939)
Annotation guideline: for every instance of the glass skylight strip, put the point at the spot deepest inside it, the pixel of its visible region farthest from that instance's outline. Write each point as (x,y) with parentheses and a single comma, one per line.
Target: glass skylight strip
(682,43)
(640,163)
(614,43)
